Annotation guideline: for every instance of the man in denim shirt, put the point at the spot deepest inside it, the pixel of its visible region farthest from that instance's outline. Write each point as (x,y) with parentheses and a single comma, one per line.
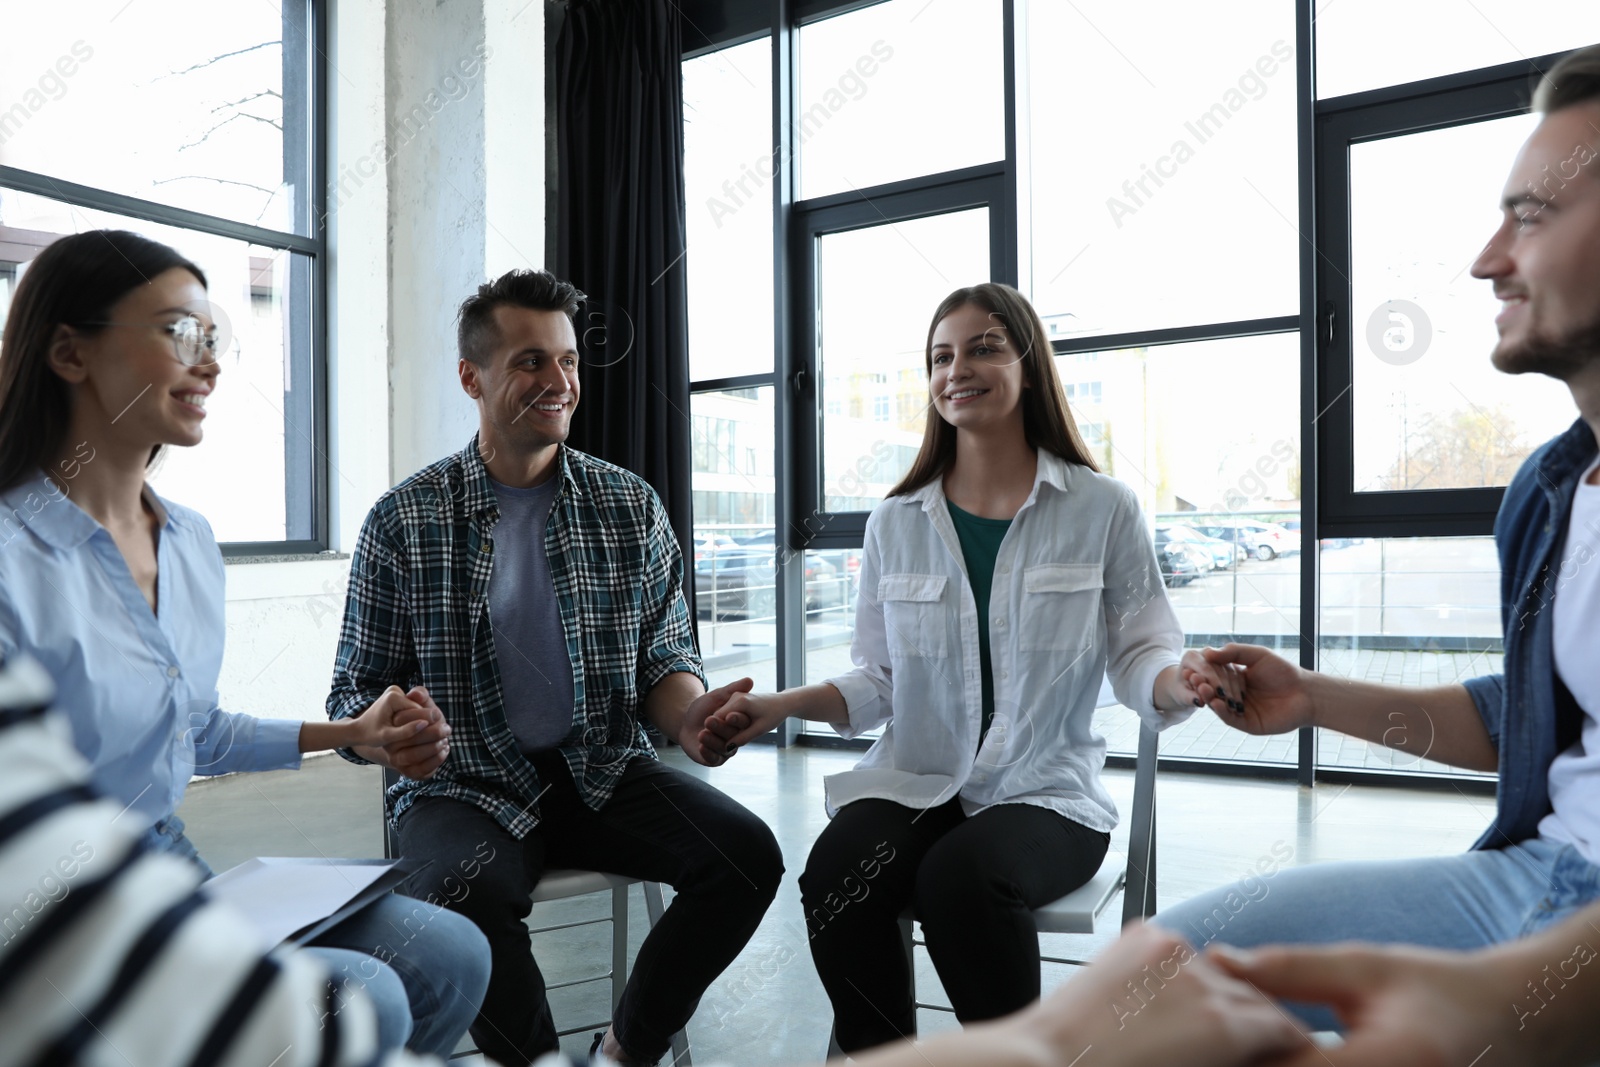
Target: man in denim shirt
(530,598)
(1538,724)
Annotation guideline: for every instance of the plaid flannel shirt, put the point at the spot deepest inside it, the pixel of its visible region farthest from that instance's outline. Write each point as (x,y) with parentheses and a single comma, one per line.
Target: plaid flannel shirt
(417,613)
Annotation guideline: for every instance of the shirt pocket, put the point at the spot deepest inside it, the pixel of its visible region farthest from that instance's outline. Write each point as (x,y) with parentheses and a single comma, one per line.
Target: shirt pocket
(914,616)
(1060,606)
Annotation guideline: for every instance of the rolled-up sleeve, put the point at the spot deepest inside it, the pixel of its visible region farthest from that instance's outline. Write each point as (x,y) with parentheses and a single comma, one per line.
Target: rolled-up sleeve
(375,647)
(666,640)
(1143,635)
(869,689)
(1488,692)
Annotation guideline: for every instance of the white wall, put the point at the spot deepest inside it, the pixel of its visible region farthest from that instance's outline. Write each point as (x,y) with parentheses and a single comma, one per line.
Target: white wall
(436,183)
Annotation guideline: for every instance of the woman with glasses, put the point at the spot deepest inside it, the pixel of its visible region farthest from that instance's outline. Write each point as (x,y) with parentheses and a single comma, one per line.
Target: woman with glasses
(109,355)
(1000,580)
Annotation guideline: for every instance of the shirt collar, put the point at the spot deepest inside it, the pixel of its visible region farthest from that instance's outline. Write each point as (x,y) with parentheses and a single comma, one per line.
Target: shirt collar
(1052,471)
(1567,458)
(40,505)
(478,495)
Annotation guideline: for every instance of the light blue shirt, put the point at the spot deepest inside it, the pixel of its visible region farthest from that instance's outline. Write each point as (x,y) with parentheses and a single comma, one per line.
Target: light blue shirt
(139,688)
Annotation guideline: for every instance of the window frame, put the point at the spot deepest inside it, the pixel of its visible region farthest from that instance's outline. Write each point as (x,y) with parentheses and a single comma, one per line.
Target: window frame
(306,463)
(1322,197)
(1438,103)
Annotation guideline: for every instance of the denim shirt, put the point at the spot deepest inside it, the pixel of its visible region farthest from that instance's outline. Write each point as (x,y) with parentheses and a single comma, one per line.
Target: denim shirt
(1530,715)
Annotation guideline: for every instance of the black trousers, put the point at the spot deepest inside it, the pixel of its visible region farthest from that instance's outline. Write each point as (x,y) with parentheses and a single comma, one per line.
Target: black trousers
(973,884)
(661,825)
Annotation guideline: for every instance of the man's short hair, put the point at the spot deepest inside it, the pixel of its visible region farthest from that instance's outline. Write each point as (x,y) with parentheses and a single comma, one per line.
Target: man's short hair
(536,290)
(1575,79)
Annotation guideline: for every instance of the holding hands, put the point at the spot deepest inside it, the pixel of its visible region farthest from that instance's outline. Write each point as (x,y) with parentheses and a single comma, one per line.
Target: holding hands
(708,733)
(1251,688)
(408,727)
(1150,998)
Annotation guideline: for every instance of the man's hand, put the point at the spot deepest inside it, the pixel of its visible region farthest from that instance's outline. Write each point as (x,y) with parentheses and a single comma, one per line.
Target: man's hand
(1251,688)
(706,738)
(422,753)
(1404,1007)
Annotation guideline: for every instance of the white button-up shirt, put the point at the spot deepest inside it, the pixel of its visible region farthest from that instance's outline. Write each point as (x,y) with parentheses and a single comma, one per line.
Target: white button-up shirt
(1077,596)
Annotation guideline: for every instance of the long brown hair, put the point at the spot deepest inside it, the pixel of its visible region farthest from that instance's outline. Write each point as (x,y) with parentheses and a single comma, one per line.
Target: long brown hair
(1046,421)
(75,281)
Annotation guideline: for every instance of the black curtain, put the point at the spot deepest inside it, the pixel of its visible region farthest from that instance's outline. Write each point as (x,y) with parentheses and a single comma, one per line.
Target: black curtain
(619,221)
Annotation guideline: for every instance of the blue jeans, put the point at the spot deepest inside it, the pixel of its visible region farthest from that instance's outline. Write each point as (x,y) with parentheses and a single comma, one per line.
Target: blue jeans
(1460,902)
(425,969)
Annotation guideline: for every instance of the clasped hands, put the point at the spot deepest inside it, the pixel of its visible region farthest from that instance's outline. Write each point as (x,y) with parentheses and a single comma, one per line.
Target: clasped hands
(408,726)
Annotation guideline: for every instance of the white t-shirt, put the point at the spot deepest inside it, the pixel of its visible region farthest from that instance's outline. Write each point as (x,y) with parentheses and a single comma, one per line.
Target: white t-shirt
(1575,773)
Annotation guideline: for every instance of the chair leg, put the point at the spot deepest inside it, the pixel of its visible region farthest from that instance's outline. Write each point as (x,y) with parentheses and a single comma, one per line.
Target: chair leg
(655,907)
(908,940)
(619,945)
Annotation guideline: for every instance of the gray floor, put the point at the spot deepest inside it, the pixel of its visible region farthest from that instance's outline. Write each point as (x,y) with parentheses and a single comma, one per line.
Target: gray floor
(768,1008)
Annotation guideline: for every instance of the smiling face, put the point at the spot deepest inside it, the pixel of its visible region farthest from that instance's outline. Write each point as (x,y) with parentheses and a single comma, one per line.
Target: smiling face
(1544,260)
(129,384)
(976,378)
(527,388)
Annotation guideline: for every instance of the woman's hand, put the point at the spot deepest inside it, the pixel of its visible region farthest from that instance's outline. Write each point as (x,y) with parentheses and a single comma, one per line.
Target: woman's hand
(746,716)
(1174,690)
(396,722)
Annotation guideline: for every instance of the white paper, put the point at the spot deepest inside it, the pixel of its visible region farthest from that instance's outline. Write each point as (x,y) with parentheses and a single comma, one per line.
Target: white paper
(280,895)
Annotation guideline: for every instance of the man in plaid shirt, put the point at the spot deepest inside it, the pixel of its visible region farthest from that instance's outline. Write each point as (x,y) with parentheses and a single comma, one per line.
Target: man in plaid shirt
(528,597)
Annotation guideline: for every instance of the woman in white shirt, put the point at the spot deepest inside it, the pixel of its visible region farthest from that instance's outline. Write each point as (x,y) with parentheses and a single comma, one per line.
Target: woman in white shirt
(1000,580)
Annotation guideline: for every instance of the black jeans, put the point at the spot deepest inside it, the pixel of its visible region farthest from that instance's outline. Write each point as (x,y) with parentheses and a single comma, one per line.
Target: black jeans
(973,884)
(661,825)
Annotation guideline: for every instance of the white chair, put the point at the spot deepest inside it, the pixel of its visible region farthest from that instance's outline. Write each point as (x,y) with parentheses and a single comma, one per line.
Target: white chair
(565,884)
(561,885)
(1078,912)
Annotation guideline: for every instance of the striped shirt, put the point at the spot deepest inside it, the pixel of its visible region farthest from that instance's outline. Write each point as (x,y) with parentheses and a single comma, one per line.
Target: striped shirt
(417,613)
(107,952)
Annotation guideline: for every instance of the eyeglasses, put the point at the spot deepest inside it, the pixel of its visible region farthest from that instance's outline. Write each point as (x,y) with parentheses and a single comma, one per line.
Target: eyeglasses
(192,342)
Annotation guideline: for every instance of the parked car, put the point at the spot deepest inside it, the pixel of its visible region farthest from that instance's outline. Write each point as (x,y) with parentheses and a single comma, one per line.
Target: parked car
(742,583)
(734,583)
(1179,561)
(1222,554)
(709,543)
(1262,540)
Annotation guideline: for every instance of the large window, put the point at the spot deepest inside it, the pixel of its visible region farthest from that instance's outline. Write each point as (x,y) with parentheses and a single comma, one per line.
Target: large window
(1253,271)
(1430,410)
(1162,184)
(876,288)
(1413,611)
(201,133)
(898,90)
(1370,44)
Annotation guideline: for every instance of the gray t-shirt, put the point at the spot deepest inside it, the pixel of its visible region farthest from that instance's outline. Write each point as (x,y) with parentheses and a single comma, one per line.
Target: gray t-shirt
(535,668)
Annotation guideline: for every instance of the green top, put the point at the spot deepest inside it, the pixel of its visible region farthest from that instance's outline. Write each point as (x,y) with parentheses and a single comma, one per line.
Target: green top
(980,544)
